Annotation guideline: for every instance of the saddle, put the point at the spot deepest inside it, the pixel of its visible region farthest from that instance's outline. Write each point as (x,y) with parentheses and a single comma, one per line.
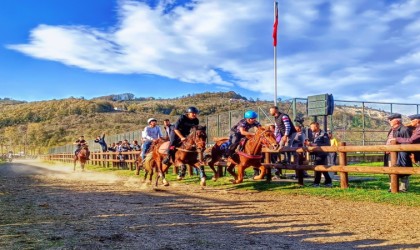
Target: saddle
(163,148)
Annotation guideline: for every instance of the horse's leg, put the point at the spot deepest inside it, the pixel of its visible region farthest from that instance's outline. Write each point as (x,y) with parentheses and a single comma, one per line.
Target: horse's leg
(262,173)
(240,176)
(74,167)
(202,174)
(82,166)
(231,171)
(215,175)
(182,172)
(163,168)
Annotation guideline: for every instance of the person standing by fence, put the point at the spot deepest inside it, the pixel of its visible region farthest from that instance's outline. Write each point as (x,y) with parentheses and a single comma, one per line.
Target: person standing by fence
(414,139)
(320,138)
(403,158)
(101,141)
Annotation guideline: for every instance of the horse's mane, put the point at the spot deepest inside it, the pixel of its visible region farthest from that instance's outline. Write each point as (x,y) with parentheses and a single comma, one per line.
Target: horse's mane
(199,127)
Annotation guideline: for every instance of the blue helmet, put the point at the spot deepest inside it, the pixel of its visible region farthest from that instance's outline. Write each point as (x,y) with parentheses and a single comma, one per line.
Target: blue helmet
(250,114)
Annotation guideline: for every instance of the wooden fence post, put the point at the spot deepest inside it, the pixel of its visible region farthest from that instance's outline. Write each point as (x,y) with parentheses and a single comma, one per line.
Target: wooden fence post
(344,176)
(267,159)
(394,177)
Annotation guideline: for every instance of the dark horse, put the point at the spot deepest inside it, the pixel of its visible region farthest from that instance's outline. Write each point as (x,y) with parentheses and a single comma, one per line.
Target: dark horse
(187,152)
(250,155)
(81,156)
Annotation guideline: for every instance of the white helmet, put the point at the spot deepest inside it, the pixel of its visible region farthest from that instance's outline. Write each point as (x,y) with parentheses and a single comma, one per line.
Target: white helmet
(151,119)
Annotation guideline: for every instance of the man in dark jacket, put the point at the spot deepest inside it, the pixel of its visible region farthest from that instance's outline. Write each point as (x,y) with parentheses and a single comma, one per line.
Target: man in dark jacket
(102,143)
(403,158)
(180,131)
(320,138)
(414,139)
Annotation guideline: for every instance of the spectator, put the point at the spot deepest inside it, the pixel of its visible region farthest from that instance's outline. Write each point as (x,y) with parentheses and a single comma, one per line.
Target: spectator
(101,140)
(415,136)
(284,127)
(398,130)
(135,146)
(320,138)
(332,156)
(149,135)
(168,127)
(113,147)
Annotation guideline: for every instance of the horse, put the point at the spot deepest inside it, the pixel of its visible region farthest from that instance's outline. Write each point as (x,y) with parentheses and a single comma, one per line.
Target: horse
(250,155)
(149,164)
(187,152)
(81,156)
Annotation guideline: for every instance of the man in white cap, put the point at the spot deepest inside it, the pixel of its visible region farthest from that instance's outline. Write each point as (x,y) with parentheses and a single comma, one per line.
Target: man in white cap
(149,135)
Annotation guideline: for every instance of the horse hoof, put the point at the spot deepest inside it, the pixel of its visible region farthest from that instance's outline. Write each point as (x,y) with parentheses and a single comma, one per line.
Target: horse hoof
(165,183)
(214,179)
(258,178)
(203,182)
(179,178)
(148,182)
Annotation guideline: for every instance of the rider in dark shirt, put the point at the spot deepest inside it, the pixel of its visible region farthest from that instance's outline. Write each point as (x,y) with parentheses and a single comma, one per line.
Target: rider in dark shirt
(240,130)
(79,144)
(181,130)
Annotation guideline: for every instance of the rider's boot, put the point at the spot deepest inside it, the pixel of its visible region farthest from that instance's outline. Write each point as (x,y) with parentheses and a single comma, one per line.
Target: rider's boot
(170,154)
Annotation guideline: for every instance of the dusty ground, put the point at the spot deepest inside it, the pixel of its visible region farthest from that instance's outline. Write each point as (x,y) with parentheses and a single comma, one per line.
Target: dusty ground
(50,207)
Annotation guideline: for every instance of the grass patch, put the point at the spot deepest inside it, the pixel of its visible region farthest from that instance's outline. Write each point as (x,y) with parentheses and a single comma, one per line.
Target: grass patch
(362,187)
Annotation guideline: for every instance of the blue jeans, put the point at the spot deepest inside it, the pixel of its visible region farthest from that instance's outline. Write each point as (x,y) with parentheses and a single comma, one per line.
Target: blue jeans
(145,147)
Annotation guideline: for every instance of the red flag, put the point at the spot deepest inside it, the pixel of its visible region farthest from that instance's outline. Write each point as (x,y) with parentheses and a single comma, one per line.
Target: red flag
(276,22)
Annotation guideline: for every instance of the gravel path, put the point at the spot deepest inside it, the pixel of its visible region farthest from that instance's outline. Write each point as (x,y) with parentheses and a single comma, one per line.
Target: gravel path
(50,207)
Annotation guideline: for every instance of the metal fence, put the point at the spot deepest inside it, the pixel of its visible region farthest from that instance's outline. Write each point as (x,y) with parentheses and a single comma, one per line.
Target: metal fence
(355,122)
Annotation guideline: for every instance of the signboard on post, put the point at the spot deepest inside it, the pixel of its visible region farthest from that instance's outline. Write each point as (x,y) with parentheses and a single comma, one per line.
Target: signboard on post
(320,105)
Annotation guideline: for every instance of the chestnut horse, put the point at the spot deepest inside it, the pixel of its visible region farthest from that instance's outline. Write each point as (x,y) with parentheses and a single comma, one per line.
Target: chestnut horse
(187,153)
(81,156)
(250,155)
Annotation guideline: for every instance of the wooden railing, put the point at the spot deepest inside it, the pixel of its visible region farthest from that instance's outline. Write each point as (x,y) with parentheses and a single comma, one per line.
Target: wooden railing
(343,168)
(107,159)
(114,159)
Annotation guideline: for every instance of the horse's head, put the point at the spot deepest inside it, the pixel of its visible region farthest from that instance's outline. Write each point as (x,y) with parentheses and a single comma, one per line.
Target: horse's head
(267,138)
(197,137)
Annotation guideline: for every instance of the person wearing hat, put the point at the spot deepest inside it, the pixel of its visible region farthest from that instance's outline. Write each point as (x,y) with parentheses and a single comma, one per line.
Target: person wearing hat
(240,130)
(414,139)
(79,144)
(403,158)
(149,135)
(180,131)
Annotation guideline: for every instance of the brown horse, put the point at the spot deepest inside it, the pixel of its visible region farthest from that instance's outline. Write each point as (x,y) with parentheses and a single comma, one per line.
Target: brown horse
(149,164)
(250,155)
(81,156)
(187,153)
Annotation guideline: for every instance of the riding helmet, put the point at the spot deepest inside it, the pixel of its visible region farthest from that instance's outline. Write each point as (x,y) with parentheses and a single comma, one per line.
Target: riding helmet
(192,110)
(250,114)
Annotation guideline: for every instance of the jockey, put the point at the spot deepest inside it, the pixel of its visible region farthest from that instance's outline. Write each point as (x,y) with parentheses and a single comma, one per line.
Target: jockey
(150,134)
(240,130)
(79,144)
(180,131)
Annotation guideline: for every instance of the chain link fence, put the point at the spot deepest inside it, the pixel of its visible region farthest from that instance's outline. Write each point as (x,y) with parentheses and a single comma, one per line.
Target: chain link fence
(353,122)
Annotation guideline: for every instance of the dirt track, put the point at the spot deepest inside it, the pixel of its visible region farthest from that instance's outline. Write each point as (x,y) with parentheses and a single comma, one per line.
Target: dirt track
(44,206)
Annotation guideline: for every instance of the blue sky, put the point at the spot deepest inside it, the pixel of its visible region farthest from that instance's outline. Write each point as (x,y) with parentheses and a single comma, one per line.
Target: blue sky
(355,49)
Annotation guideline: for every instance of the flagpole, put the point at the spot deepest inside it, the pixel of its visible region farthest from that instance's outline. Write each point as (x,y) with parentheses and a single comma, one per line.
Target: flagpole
(275,50)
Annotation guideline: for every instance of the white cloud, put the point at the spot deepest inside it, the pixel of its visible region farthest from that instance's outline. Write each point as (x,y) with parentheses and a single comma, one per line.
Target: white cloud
(351,48)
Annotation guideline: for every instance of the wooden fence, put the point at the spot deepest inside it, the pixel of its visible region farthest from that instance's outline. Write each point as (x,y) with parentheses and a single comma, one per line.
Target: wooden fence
(127,160)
